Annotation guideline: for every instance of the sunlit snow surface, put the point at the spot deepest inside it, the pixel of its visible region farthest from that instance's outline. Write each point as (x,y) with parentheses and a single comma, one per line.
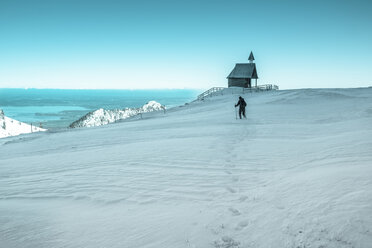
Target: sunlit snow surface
(296,173)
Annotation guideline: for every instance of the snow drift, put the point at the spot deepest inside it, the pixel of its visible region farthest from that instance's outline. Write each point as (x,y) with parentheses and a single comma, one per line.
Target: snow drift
(296,173)
(11,127)
(102,116)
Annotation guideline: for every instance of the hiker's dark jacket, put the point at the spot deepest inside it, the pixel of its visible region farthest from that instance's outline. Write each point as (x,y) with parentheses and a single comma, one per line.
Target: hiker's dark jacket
(241,103)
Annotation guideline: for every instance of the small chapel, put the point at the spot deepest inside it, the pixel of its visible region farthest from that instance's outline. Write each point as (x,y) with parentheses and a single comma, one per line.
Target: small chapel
(243,73)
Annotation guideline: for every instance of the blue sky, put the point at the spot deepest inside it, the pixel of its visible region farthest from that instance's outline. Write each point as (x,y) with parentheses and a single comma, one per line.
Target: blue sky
(183,44)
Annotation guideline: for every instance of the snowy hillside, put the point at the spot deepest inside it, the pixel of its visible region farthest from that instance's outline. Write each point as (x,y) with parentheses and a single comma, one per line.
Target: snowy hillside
(11,127)
(296,173)
(102,117)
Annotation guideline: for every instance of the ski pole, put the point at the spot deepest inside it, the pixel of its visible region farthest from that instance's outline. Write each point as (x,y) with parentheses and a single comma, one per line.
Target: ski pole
(236,114)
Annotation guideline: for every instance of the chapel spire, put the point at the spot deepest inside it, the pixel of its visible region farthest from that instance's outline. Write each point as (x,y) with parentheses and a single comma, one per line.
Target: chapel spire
(251,57)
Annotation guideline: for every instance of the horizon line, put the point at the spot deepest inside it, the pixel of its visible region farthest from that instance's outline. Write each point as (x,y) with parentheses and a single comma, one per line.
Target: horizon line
(35,88)
(196,89)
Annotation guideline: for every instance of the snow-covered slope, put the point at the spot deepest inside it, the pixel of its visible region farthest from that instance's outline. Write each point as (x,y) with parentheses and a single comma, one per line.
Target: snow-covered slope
(11,127)
(102,116)
(296,173)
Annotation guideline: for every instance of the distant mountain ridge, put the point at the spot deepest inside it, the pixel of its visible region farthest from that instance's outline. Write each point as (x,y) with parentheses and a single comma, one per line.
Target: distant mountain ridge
(11,127)
(102,116)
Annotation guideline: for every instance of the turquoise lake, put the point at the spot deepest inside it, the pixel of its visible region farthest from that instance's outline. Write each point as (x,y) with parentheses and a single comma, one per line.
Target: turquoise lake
(55,108)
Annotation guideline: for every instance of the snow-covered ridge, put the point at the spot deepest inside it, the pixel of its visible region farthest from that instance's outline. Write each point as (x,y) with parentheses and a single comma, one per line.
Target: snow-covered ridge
(11,127)
(103,116)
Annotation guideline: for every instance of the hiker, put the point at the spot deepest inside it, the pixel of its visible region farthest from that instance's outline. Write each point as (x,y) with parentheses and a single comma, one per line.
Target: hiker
(241,103)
